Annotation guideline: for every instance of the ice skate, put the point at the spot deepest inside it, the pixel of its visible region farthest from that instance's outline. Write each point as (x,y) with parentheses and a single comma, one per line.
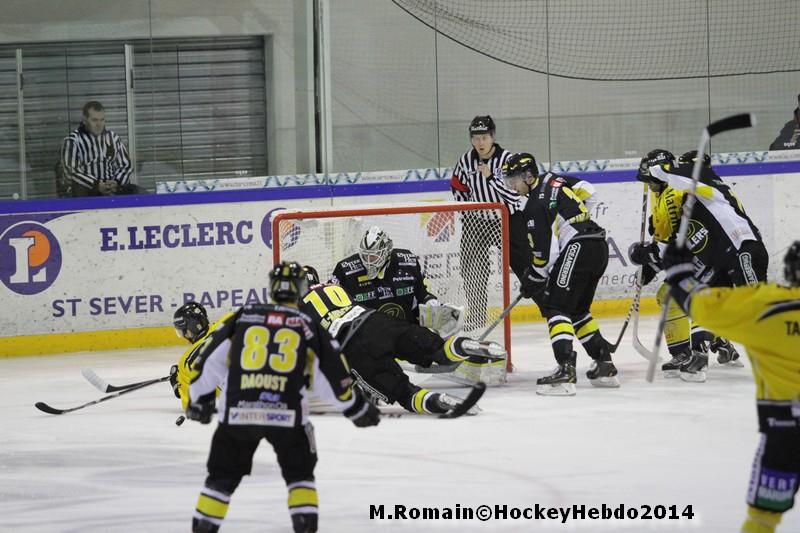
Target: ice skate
(672,368)
(603,374)
(694,368)
(446,403)
(561,382)
(726,353)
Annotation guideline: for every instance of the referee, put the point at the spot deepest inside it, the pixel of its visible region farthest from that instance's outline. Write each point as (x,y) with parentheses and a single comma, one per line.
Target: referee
(94,159)
(477,177)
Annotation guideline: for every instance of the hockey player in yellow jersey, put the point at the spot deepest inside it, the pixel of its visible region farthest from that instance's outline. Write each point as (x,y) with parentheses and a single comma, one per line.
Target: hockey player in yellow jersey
(688,344)
(191,323)
(765,318)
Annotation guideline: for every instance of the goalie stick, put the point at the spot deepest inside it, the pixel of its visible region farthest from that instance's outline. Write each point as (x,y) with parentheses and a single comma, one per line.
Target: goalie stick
(733,122)
(395,411)
(103,386)
(55,411)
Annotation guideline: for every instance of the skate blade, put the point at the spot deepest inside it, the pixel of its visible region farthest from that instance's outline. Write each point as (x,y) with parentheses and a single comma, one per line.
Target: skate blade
(694,377)
(736,363)
(671,373)
(560,389)
(608,382)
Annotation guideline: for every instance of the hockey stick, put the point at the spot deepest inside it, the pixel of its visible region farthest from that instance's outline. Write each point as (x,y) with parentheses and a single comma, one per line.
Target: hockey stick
(54,411)
(396,411)
(733,122)
(103,386)
(634,308)
(502,317)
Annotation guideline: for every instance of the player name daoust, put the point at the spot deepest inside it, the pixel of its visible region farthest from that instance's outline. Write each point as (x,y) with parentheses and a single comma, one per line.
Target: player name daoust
(176,235)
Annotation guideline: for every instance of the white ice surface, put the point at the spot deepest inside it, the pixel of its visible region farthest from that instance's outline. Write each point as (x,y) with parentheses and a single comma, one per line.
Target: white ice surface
(124,466)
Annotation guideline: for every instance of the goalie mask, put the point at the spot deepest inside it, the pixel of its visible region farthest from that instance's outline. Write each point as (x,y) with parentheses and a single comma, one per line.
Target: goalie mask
(374,250)
(190,321)
(287,282)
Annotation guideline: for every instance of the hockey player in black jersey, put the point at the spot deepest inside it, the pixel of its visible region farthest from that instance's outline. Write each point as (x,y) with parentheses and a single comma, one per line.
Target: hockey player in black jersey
(267,358)
(374,340)
(570,254)
(390,280)
(725,244)
(720,232)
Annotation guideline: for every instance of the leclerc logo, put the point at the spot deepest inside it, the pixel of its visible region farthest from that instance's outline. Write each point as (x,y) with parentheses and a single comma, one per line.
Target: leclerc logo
(30,258)
(440,226)
(289,231)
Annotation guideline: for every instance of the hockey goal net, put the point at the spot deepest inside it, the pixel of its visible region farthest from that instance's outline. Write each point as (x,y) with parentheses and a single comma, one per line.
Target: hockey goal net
(463,251)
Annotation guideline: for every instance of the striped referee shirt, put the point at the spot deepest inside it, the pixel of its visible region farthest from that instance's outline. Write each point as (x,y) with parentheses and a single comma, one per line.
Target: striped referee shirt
(469,185)
(88,158)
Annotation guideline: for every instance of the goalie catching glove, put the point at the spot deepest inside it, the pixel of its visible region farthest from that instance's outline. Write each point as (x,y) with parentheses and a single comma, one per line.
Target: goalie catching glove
(444,319)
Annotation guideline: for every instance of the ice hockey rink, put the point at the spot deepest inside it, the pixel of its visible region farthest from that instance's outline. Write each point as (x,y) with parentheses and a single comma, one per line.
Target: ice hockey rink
(124,465)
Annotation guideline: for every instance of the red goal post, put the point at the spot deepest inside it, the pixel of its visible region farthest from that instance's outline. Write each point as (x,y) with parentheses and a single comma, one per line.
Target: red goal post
(436,232)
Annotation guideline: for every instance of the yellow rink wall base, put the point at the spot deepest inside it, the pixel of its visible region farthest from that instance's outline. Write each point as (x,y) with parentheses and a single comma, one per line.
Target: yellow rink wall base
(117,339)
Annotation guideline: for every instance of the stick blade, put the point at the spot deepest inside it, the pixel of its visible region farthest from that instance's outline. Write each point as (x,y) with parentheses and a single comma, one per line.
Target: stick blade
(92,377)
(47,409)
(472,398)
(733,122)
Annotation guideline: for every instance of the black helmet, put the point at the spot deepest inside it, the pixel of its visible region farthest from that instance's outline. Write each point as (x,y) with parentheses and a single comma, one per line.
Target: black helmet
(287,282)
(519,163)
(481,124)
(687,158)
(190,321)
(311,275)
(791,264)
(655,157)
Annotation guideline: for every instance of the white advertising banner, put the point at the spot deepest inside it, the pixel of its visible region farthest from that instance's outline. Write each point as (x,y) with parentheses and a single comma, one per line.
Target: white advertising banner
(116,268)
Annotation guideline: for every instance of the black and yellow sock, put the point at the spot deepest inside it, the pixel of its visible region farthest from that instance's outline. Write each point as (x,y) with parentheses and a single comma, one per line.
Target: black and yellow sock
(561,335)
(303,500)
(210,510)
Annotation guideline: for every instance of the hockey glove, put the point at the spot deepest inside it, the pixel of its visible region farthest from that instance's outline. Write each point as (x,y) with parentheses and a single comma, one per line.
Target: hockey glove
(173,381)
(201,410)
(648,273)
(677,264)
(532,283)
(362,413)
(644,253)
(445,319)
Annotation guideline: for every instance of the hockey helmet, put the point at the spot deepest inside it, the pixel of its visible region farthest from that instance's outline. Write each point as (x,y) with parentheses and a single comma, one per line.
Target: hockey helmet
(287,282)
(688,158)
(518,164)
(311,275)
(190,321)
(481,124)
(660,157)
(791,264)
(374,250)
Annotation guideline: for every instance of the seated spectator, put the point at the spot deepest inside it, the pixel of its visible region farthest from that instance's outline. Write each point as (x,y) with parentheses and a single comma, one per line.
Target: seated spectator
(789,137)
(94,160)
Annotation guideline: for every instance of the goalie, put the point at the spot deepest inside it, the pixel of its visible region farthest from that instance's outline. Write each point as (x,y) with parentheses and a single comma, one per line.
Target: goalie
(390,280)
(372,340)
